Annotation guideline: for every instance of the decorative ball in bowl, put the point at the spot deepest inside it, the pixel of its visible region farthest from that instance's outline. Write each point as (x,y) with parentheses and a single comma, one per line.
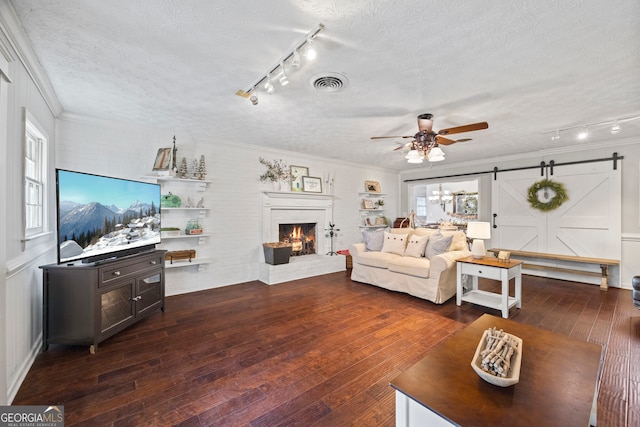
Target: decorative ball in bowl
(498,358)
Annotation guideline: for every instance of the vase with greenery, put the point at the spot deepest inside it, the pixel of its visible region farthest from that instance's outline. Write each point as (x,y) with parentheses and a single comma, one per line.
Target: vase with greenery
(276,171)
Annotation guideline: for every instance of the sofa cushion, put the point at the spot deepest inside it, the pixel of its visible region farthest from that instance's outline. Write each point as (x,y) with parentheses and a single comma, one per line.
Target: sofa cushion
(437,244)
(459,242)
(412,266)
(416,246)
(373,239)
(376,259)
(395,243)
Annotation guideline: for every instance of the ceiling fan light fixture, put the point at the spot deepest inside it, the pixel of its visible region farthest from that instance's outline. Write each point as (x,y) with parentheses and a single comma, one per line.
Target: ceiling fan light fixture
(436,154)
(412,154)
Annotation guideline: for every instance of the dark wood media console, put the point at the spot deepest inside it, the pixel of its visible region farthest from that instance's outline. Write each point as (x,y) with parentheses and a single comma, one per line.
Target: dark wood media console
(85,304)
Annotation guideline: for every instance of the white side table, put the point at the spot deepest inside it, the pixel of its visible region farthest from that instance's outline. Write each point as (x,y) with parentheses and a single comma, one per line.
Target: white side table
(490,268)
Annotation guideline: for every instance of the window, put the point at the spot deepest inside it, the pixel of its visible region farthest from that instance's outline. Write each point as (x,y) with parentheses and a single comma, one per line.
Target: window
(34,178)
(421,206)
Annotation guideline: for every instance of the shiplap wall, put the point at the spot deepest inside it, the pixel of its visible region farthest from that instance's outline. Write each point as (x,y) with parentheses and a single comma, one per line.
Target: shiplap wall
(22,282)
(234,196)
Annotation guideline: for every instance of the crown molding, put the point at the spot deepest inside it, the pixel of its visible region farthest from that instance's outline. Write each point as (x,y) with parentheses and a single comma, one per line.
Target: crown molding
(11,28)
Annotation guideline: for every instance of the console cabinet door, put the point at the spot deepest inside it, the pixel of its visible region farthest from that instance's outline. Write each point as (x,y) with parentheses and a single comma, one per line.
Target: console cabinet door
(149,293)
(117,307)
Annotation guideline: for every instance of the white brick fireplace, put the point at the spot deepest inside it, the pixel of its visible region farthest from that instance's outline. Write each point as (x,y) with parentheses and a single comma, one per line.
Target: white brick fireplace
(293,208)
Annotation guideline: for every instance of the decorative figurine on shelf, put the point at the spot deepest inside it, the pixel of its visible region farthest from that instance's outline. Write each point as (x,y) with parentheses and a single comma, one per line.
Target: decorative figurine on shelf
(174,165)
(182,171)
(331,232)
(189,203)
(200,203)
(194,169)
(202,168)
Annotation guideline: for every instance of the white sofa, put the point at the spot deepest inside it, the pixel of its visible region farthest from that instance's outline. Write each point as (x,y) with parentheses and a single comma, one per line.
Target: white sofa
(432,278)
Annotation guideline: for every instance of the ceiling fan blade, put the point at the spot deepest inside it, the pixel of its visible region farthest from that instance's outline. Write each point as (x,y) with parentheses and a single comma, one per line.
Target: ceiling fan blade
(444,141)
(383,137)
(403,146)
(465,128)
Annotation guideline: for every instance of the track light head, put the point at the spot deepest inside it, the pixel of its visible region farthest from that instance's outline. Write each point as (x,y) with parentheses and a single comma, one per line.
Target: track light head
(584,133)
(254,99)
(268,86)
(283,76)
(556,136)
(310,53)
(295,59)
(615,127)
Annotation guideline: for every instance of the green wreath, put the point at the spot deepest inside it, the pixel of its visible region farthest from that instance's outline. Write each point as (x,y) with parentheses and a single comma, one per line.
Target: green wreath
(559,198)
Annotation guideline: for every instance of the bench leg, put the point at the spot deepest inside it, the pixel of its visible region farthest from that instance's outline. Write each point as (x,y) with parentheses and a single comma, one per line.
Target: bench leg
(603,283)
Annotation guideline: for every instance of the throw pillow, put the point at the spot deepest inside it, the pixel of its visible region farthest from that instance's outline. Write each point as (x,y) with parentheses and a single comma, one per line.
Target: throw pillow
(394,243)
(416,246)
(437,244)
(373,239)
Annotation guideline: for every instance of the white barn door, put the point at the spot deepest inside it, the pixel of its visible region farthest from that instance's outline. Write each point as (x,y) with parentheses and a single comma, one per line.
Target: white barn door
(588,224)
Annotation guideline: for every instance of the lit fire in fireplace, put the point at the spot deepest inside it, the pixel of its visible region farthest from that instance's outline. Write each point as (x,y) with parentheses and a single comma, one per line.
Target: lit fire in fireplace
(300,236)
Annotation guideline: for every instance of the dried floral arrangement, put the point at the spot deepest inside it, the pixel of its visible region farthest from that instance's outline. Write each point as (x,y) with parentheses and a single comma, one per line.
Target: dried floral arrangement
(277,170)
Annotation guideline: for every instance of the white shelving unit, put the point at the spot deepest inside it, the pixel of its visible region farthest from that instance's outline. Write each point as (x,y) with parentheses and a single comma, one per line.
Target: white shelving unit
(179,216)
(373,213)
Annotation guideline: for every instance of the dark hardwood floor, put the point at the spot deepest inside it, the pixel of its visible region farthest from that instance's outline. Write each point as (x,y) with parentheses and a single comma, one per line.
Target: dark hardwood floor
(318,351)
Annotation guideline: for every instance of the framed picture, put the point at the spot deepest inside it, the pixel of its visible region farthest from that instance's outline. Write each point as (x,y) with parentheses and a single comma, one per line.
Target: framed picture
(311,184)
(367,204)
(372,186)
(297,172)
(163,159)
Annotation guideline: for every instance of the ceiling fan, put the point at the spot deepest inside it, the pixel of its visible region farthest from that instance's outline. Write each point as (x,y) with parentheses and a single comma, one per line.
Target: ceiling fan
(425,143)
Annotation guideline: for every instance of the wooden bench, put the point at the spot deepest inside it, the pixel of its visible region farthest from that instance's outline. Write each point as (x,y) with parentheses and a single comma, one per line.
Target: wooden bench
(604,263)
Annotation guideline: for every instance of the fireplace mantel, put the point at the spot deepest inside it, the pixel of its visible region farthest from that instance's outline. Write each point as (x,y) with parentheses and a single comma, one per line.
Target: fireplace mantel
(294,207)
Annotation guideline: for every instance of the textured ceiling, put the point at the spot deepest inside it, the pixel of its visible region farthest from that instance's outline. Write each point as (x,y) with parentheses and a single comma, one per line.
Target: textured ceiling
(525,67)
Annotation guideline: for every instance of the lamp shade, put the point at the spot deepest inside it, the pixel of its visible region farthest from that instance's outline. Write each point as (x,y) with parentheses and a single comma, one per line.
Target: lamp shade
(478,230)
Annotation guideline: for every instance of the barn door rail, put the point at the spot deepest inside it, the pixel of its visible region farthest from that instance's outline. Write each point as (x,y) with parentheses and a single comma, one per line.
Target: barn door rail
(542,166)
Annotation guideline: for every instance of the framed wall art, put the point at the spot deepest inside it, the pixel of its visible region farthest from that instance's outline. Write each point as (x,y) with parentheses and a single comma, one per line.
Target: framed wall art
(311,184)
(163,159)
(372,186)
(297,172)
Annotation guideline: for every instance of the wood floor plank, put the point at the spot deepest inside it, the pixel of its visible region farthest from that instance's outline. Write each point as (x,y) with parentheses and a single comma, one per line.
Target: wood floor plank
(318,351)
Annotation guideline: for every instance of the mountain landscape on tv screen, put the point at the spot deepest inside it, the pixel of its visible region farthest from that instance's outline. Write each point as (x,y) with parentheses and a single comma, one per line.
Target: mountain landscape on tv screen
(92,228)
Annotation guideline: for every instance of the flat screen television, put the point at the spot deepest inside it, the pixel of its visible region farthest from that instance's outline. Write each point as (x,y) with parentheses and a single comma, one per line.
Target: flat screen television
(101,217)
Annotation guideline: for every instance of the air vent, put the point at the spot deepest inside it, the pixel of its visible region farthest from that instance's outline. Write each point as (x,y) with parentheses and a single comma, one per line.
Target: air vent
(329,82)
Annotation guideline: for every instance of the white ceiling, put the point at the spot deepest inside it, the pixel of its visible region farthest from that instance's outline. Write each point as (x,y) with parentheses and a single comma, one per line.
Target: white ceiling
(525,67)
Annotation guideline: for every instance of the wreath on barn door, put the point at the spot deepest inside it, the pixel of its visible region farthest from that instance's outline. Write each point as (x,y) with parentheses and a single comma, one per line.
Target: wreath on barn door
(560,195)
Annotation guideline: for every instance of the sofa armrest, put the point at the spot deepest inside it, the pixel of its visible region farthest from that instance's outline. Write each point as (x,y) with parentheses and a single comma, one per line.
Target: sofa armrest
(356,249)
(446,260)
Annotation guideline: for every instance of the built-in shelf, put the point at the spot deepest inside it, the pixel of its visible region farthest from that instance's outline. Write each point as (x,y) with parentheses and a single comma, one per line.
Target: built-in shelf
(298,195)
(186,236)
(173,178)
(195,262)
(374,226)
(185,209)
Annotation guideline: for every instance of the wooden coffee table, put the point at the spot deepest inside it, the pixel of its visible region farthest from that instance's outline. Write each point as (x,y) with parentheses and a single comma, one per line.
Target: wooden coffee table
(490,268)
(557,384)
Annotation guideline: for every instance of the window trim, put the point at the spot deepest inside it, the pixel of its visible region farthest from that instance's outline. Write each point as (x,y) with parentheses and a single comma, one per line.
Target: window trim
(37,133)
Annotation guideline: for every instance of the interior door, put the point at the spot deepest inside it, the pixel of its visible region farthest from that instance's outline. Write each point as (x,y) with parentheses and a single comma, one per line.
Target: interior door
(588,224)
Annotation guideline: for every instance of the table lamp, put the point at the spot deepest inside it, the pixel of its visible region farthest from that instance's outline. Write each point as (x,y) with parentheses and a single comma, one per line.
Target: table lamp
(478,231)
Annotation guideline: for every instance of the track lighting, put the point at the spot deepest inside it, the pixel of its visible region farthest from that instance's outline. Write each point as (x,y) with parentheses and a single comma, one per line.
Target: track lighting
(293,56)
(585,130)
(283,76)
(310,54)
(268,86)
(295,59)
(584,133)
(615,127)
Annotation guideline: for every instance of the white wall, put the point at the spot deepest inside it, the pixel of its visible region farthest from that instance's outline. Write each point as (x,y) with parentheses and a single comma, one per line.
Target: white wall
(127,151)
(628,148)
(21,282)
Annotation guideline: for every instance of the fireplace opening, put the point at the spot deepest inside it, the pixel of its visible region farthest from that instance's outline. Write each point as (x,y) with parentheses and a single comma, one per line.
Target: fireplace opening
(302,237)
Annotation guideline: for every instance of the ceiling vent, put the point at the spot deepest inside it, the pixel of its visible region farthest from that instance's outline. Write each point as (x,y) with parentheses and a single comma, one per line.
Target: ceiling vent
(329,82)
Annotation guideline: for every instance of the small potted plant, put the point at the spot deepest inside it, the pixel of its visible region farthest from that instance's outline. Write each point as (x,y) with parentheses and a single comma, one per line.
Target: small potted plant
(277,171)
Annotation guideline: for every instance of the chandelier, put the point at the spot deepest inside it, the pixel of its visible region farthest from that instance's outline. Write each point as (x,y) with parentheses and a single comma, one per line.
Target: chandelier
(425,146)
(441,197)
